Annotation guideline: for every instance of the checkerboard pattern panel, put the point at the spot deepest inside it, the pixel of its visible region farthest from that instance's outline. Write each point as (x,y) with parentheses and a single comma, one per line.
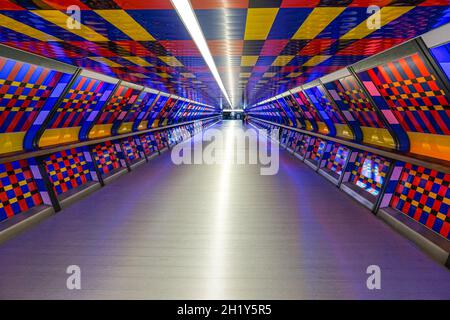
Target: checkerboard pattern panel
(140,110)
(369,172)
(304,145)
(297,111)
(159,141)
(67,170)
(147,144)
(324,105)
(155,110)
(338,158)
(309,110)
(79,102)
(119,104)
(317,150)
(356,101)
(414,94)
(18,190)
(24,89)
(297,141)
(424,195)
(105,157)
(165,111)
(130,149)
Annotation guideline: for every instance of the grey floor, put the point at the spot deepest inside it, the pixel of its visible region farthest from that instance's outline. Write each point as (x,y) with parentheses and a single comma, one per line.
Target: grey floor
(217,232)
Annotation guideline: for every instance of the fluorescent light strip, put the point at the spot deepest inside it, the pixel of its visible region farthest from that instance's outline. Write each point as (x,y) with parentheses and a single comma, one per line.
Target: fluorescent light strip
(187,15)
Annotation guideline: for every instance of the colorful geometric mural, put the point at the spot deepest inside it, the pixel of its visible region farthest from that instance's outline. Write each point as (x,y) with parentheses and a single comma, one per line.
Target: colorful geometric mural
(413,93)
(138,111)
(317,150)
(18,190)
(117,107)
(337,159)
(309,112)
(369,172)
(25,90)
(352,95)
(148,143)
(332,116)
(67,170)
(130,150)
(105,157)
(424,195)
(83,98)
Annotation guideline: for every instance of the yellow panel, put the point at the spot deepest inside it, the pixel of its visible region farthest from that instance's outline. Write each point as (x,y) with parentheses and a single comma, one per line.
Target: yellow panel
(343,131)
(155,123)
(52,137)
(11,142)
(100,131)
(139,75)
(125,127)
(106,61)
(138,61)
(295,74)
(143,125)
(281,61)
(430,145)
(171,61)
(259,23)
(249,61)
(164,75)
(60,19)
(19,27)
(387,14)
(323,128)
(317,20)
(121,20)
(378,136)
(315,60)
(309,126)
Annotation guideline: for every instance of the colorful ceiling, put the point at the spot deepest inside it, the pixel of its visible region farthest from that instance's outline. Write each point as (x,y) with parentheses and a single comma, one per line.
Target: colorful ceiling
(261,47)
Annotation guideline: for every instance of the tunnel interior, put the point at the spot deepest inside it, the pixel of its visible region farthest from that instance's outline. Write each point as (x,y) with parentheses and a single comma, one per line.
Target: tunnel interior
(96,97)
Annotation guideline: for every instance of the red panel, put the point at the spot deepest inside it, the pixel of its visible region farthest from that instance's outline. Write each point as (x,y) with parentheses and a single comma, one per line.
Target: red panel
(299,3)
(8,5)
(316,46)
(144,4)
(366,3)
(273,48)
(368,47)
(64,4)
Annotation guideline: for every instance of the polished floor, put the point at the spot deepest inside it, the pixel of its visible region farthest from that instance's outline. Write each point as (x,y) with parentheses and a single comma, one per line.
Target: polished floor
(217,232)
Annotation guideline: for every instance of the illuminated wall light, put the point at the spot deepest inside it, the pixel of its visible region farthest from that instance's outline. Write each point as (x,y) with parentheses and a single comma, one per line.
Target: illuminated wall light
(187,15)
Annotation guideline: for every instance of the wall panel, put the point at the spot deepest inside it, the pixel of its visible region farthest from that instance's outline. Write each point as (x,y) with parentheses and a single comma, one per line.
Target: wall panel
(68,170)
(412,91)
(25,91)
(424,195)
(86,96)
(18,189)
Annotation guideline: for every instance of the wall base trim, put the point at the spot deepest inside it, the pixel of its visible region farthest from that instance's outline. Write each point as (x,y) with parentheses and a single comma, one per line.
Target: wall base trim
(434,245)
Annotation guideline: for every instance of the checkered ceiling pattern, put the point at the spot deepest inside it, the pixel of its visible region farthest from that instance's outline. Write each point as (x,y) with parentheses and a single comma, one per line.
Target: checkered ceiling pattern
(261,47)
